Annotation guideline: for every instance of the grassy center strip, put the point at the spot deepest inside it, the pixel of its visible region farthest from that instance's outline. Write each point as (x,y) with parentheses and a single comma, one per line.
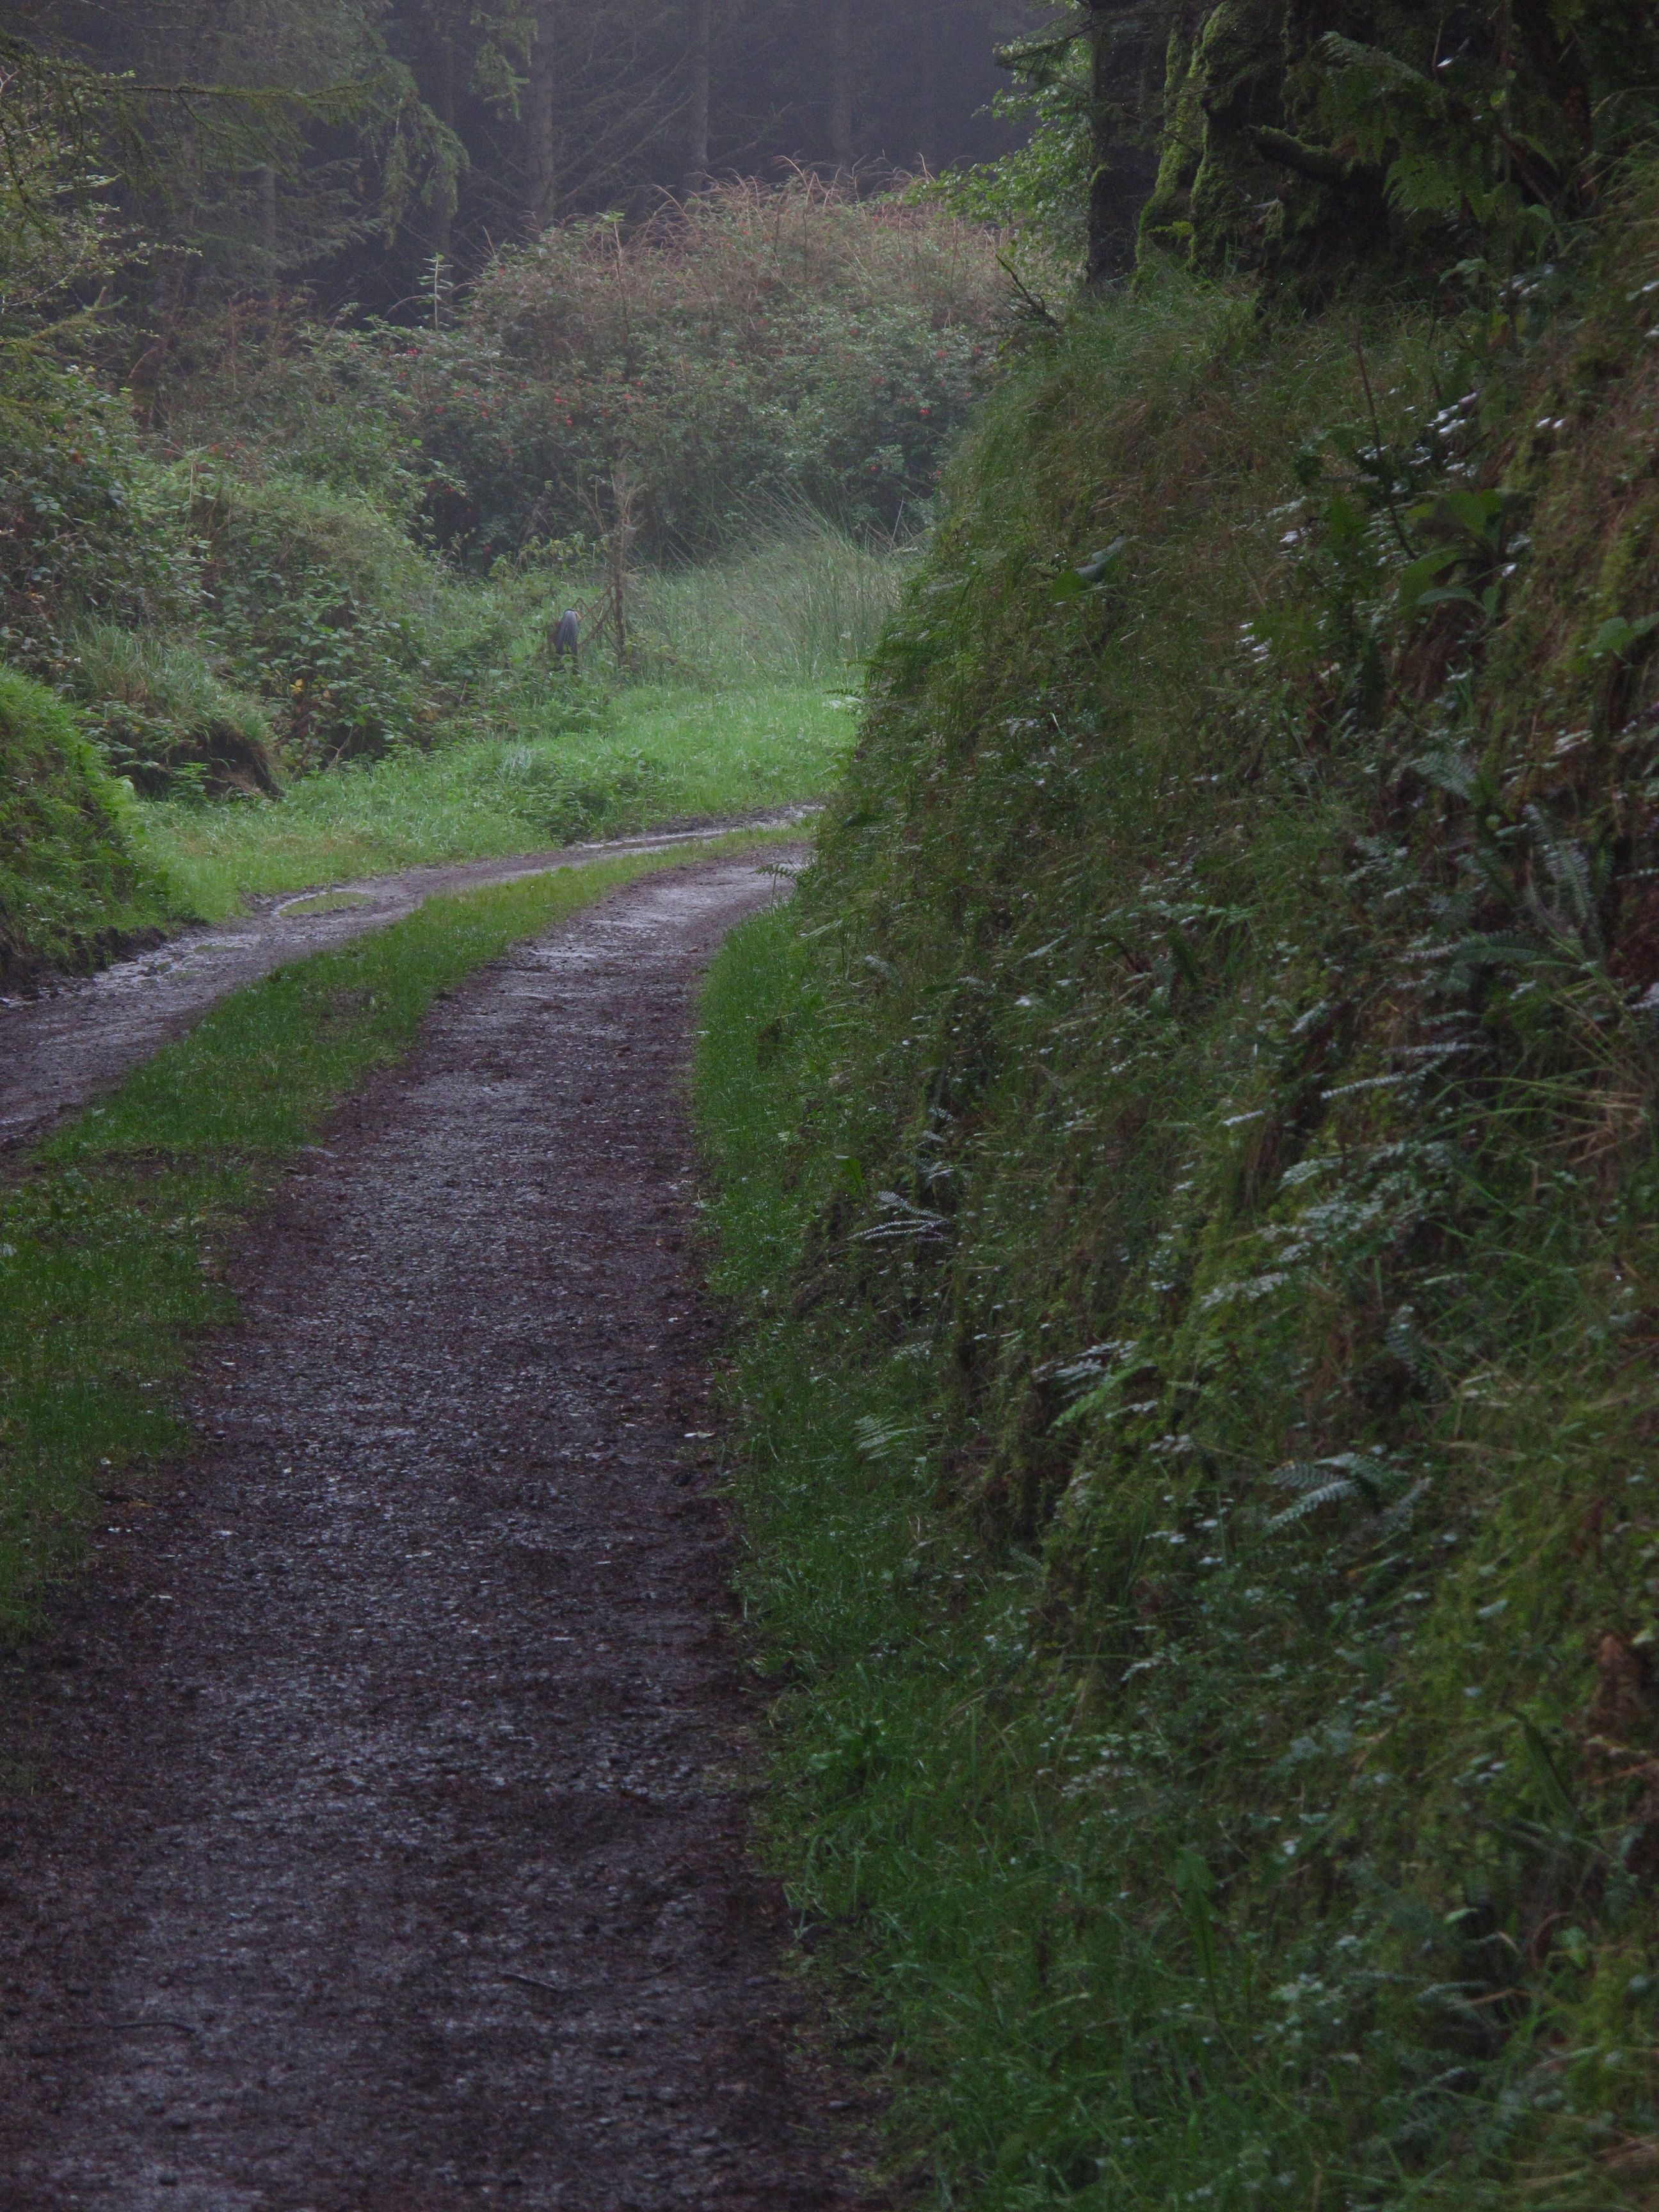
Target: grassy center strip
(113,1233)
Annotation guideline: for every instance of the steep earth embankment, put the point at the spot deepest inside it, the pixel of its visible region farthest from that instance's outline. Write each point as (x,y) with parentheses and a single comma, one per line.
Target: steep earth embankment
(1221,1055)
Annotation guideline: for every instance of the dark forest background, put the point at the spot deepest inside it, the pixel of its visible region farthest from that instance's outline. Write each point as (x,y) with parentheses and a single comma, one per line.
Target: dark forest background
(472,123)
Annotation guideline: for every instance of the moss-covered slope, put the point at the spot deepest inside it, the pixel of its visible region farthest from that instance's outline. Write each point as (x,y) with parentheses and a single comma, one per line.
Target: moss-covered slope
(1229,1176)
(71,886)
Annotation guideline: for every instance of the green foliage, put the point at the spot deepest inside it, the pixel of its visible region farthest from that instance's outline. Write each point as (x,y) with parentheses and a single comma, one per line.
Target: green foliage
(274,602)
(1203,1168)
(80,530)
(71,885)
(751,351)
(319,602)
(328,404)
(1038,193)
(576,766)
(243,144)
(805,603)
(752,347)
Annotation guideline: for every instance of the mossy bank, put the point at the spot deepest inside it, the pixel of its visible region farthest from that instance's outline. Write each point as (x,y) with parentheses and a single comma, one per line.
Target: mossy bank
(1189,1172)
(73,886)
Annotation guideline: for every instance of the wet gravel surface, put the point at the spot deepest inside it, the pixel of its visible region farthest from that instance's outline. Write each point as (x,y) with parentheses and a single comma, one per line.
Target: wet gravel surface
(384,1850)
(62,1046)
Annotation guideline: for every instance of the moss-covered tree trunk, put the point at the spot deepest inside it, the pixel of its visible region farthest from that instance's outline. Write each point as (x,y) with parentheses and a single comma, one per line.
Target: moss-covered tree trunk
(1123,41)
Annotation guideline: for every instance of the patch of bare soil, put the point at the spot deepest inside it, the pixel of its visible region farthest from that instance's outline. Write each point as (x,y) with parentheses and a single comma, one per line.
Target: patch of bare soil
(386,1846)
(77,1037)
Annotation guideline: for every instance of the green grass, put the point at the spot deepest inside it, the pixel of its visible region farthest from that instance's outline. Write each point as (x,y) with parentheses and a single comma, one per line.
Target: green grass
(112,1231)
(650,756)
(912,1811)
(738,701)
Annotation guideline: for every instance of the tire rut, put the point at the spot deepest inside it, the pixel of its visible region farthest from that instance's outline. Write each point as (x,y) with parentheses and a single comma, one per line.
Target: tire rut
(389,1849)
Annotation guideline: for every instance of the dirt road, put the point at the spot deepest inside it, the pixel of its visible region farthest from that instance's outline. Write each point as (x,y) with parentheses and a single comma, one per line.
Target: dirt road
(61,1048)
(385,1851)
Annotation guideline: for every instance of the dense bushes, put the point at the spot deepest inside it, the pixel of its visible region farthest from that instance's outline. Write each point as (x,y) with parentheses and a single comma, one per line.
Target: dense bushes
(744,362)
(162,719)
(318,601)
(753,350)
(752,347)
(80,533)
(314,600)
(71,886)
(1225,1183)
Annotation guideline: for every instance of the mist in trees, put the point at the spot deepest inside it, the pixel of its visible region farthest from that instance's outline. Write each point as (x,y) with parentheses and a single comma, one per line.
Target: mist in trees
(448,128)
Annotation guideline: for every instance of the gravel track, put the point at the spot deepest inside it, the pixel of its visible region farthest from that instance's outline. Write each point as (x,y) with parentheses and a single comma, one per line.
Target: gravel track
(385,1851)
(63,1046)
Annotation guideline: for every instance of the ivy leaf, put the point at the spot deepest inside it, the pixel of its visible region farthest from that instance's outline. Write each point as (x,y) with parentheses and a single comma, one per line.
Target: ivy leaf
(1617,635)
(1417,579)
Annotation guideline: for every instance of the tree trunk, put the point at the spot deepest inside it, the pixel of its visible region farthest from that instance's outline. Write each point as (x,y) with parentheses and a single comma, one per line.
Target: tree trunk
(696,127)
(1103,200)
(175,267)
(443,212)
(840,82)
(1124,163)
(541,145)
(264,179)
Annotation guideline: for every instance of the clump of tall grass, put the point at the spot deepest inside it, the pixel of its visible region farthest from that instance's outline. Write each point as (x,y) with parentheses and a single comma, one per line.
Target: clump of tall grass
(72,880)
(162,717)
(807,604)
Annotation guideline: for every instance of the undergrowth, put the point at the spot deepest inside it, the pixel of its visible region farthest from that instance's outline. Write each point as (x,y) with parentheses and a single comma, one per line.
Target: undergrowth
(112,1233)
(1197,1255)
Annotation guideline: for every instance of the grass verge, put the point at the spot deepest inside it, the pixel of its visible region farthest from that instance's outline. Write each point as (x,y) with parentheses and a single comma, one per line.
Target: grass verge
(940,1806)
(653,754)
(901,1814)
(112,1235)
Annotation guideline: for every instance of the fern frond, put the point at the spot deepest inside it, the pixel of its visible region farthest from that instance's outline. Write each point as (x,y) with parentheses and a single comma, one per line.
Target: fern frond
(877,1439)
(1333,1492)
